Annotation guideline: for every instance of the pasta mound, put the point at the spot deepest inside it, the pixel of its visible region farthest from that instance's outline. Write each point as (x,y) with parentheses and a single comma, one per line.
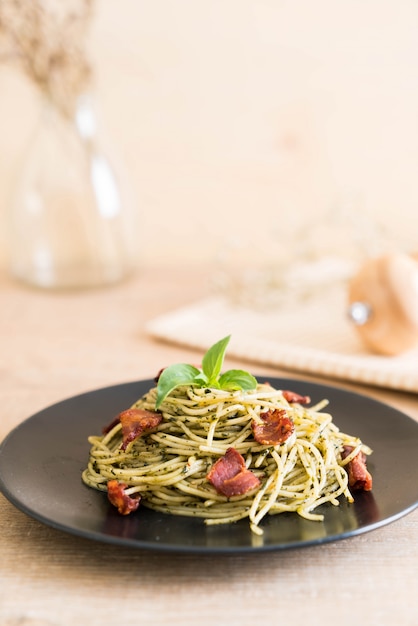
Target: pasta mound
(169,465)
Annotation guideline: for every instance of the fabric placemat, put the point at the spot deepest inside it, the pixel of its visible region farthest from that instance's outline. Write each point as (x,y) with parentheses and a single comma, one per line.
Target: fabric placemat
(315,337)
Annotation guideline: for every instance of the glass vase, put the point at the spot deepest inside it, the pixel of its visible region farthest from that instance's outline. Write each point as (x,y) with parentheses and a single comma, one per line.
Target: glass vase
(71,223)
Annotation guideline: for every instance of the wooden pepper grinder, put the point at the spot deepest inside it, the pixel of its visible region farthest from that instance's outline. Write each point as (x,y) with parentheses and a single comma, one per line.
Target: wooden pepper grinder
(383,303)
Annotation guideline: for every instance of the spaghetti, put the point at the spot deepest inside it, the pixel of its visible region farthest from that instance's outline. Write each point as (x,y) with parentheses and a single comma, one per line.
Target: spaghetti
(169,466)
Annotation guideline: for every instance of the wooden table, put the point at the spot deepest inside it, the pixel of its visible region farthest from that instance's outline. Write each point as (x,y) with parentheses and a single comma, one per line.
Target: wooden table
(55,345)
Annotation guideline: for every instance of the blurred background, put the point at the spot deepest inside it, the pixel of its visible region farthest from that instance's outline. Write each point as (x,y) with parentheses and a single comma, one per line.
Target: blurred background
(243,119)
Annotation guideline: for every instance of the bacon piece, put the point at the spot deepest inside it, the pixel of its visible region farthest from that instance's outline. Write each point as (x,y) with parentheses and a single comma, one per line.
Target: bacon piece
(359,478)
(275,428)
(292,396)
(230,476)
(116,494)
(135,422)
(112,424)
(157,377)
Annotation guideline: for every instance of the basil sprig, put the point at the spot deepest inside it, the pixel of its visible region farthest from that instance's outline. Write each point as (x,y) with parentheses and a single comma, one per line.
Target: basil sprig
(208,376)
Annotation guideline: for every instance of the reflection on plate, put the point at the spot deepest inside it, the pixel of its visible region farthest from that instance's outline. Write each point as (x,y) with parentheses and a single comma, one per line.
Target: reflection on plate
(41,462)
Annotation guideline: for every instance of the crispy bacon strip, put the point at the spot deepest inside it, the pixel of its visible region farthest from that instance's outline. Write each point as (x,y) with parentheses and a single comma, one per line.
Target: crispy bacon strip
(157,377)
(292,396)
(112,424)
(359,478)
(135,422)
(116,494)
(230,476)
(275,427)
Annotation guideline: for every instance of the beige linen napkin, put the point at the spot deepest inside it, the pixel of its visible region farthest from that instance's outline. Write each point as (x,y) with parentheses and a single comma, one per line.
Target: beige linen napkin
(314,336)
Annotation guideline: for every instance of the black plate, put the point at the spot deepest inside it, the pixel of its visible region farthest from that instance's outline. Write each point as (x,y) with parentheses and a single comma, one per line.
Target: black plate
(41,462)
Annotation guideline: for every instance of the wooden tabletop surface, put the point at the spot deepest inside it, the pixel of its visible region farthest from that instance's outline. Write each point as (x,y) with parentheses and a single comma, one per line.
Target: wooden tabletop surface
(58,344)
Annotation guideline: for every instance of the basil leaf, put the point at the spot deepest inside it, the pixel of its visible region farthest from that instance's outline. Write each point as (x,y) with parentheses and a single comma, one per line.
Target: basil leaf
(213,360)
(209,376)
(173,376)
(201,379)
(233,380)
